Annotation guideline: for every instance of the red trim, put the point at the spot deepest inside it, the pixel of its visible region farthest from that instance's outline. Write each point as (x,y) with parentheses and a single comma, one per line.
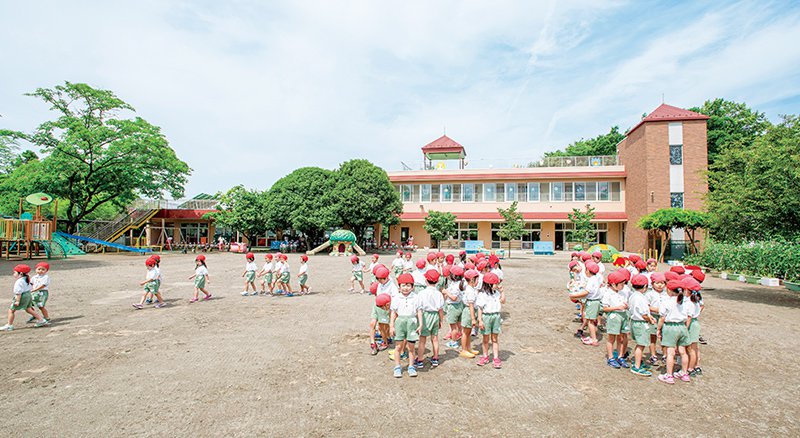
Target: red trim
(181,214)
(441,150)
(437,176)
(613,216)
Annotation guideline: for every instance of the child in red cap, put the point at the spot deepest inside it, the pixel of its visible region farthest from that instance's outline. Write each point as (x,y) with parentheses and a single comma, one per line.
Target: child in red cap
(380,320)
(419,275)
(40,291)
(266,274)
(489,303)
(397,264)
(249,274)
(454,306)
(200,278)
(372,264)
(469,317)
(22,298)
(615,307)
(405,324)
(150,284)
(597,257)
(284,280)
(641,320)
(408,264)
(431,302)
(357,275)
(658,285)
(593,293)
(673,330)
(693,302)
(302,274)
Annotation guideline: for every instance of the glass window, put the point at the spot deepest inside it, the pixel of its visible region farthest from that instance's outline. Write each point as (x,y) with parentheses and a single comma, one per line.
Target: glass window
(602,191)
(435,190)
(675,154)
(616,192)
(676,200)
(580,191)
(467,231)
(533,192)
(544,192)
(557,191)
(499,192)
(447,192)
(511,192)
(568,192)
(522,192)
(468,192)
(407,192)
(489,193)
(456,197)
(425,193)
(591,191)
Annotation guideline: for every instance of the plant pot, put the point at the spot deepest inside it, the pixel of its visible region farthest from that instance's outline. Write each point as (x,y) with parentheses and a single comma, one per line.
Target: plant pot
(724,275)
(752,279)
(792,286)
(771,282)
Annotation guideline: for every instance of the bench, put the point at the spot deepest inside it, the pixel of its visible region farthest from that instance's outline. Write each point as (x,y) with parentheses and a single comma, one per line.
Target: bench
(543,248)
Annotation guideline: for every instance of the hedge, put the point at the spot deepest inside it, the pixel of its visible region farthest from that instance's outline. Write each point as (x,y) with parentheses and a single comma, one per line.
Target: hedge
(764,259)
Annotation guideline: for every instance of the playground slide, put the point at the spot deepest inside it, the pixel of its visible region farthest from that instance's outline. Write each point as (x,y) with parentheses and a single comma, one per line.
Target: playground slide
(103,243)
(69,248)
(358,249)
(319,248)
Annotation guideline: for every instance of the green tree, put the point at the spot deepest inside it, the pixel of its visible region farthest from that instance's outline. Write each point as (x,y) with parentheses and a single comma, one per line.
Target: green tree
(362,196)
(691,221)
(585,231)
(242,210)
(513,225)
(756,195)
(8,148)
(603,144)
(662,221)
(93,157)
(731,125)
(297,201)
(441,225)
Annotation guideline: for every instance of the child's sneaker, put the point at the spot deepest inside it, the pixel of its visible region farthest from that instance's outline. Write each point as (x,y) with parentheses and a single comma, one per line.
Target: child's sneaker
(578,334)
(398,371)
(419,364)
(702,340)
(458,337)
(404,355)
(666,379)
(160,305)
(613,363)
(474,352)
(7,328)
(434,362)
(466,354)
(374,349)
(244,294)
(42,323)
(412,372)
(137,306)
(624,364)
(254,293)
(699,371)
(682,375)
(483,361)
(497,363)
(452,344)
(382,346)
(148,301)
(193,300)
(653,360)
(693,373)
(31,319)
(447,336)
(641,372)
(207,297)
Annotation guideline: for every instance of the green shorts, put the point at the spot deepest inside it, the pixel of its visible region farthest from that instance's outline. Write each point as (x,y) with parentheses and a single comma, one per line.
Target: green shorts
(303,279)
(430,323)
(466,317)
(200,281)
(418,288)
(268,278)
(397,271)
(380,315)
(640,331)
(358,275)
(25,301)
(441,283)
(40,298)
(674,334)
(284,278)
(617,323)
(694,331)
(250,276)
(652,329)
(405,329)
(491,324)
(453,312)
(151,287)
(592,309)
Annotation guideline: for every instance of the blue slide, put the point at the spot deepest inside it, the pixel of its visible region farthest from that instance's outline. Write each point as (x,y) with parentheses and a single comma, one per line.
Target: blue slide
(104,243)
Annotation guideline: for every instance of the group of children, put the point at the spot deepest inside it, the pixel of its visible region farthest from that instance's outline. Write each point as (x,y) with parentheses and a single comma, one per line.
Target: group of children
(641,305)
(30,295)
(414,300)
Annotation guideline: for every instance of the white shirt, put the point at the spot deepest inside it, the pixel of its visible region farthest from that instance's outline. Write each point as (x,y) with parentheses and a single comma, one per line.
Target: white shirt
(691,309)
(268,266)
(41,280)
(358,266)
(408,266)
(653,298)
(419,278)
(626,292)
(430,299)
(593,285)
(602,268)
(251,266)
(479,286)
(389,288)
(284,267)
(152,274)
(498,272)
(21,286)
(489,303)
(613,299)
(638,306)
(201,271)
(303,269)
(158,273)
(372,266)
(397,263)
(671,311)
(406,305)
(632,270)
(454,290)
(469,295)
(277,266)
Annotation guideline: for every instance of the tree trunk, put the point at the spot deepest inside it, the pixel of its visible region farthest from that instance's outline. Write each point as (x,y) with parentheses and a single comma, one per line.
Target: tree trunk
(509,248)
(71,226)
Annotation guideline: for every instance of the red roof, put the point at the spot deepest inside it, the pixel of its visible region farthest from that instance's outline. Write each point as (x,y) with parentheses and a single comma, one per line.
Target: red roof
(181,214)
(669,113)
(541,216)
(442,144)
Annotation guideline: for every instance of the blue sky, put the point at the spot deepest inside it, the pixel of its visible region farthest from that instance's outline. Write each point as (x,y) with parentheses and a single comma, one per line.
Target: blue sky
(247,91)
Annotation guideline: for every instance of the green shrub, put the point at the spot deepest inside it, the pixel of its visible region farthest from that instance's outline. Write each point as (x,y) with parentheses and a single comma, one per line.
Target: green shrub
(765,259)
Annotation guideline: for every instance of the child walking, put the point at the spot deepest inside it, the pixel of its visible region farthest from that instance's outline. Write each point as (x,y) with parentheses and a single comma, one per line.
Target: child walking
(593,293)
(156,258)
(266,274)
(489,302)
(40,291)
(357,275)
(22,298)
(380,321)
(397,264)
(284,281)
(302,274)
(405,324)
(432,303)
(249,274)
(150,284)
(200,278)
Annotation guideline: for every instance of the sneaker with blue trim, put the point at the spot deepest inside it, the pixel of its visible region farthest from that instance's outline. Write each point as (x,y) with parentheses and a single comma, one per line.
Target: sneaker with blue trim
(612,363)
(398,371)
(621,362)
(412,372)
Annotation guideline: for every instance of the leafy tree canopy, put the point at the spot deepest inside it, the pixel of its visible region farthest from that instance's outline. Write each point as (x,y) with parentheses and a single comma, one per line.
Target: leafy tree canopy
(603,144)
(585,230)
(441,225)
(513,225)
(731,125)
(297,201)
(242,210)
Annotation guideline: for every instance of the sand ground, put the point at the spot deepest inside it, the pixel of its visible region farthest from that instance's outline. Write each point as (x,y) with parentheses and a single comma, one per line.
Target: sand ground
(301,366)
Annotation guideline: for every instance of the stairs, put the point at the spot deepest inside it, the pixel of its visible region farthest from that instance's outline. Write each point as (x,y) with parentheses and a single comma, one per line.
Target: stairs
(136,216)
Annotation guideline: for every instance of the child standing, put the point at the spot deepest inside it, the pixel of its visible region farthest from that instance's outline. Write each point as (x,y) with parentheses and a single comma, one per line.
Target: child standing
(408,265)
(405,323)
(597,257)
(156,258)
(431,303)
(419,276)
(468,316)
(593,293)
(489,302)
(380,320)
(200,278)
(397,264)
(249,274)
(693,302)
(22,298)
(357,275)
(150,284)
(673,330)
(284,281)
(40,291)
(266,274)
(657,285)
(372,264)
(302,274)
(615,306)
(641,320)
(454,306)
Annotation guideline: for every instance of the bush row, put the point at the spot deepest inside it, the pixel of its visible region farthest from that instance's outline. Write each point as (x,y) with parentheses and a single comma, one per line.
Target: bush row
(764,259)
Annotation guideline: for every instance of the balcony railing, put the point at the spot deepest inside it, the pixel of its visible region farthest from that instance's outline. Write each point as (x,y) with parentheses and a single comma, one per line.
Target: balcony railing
(180,204)
(577,161)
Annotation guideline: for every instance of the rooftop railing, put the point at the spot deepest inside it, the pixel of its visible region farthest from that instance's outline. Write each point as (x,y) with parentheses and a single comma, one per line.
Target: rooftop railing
(577,161)
(179,204)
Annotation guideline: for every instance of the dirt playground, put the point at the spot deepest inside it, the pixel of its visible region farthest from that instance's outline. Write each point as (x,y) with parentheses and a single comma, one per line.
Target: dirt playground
(301,366)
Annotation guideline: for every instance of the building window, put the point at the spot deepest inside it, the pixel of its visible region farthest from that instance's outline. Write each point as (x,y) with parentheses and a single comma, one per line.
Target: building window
(468,192)
(489,193)
(676,200)
(544,192)
(591,191)
(557,191)
(675,154)
(496,239)
(533,233)
(466,231)
(568,195)
(425,193)
(447,192)
(407,192)
(511,192)
(616,191)
(533,192)
(580,191)
(602,191)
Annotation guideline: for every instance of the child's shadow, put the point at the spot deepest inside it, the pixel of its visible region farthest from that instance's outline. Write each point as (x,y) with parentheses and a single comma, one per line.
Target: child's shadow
(65,319)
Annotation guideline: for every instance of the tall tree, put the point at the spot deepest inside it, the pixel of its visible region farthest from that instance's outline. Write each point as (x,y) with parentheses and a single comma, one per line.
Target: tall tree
(363,196)
(662,221)
(731,125)
(603,144)
(99,157)
(585,231)
(242,210)
(441,225)
(297,201)
(513,225)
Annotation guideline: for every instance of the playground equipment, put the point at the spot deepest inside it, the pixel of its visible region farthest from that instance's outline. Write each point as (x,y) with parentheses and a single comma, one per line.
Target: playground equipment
(102,244)
(342,243)
(609,252)
(30,235)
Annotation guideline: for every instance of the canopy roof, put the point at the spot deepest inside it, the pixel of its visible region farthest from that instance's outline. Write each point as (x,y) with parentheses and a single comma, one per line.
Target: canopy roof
(343,236)
(444,148)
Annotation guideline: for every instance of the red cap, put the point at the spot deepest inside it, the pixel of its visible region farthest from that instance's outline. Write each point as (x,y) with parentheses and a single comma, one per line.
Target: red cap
(373,288)
(405,279)
(592,267)
(480,255)
(156,257)
(382,300)
(375,256)
(421,264)
(201,258)
(491,278)
(432,275)
(658,277)
(471,273)
(597,254)
(678,270)
(626,273)
(640,265)
(469,265)
(22,269)
(674,284)
(268,256)
(585,257)
(573,264)
(462,252)
(482,265)
(691,284)
(574,254)
(616,277)
(408,254)
(652,261)
(450,258)
(439,255)
(400,253)
(148,262)
(43,265)
(698,275)
(284,257)
(620,261)
(250,255)
(304,258)
(457,271)
(431,256)
(693,268)
(493,259)
(354,259)
(671,275)
(639,280)
(634,258)
(446,270)
(381,272)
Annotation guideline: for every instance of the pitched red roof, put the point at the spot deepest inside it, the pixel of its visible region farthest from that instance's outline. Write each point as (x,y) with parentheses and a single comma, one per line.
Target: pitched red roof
(442,144)
(669,113)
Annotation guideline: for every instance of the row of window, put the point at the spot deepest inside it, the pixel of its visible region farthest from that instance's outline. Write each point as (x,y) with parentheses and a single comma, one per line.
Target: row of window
(509,192)
(533,233)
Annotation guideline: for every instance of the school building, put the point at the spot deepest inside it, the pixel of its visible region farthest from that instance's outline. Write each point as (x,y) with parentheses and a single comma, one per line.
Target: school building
(659,164)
